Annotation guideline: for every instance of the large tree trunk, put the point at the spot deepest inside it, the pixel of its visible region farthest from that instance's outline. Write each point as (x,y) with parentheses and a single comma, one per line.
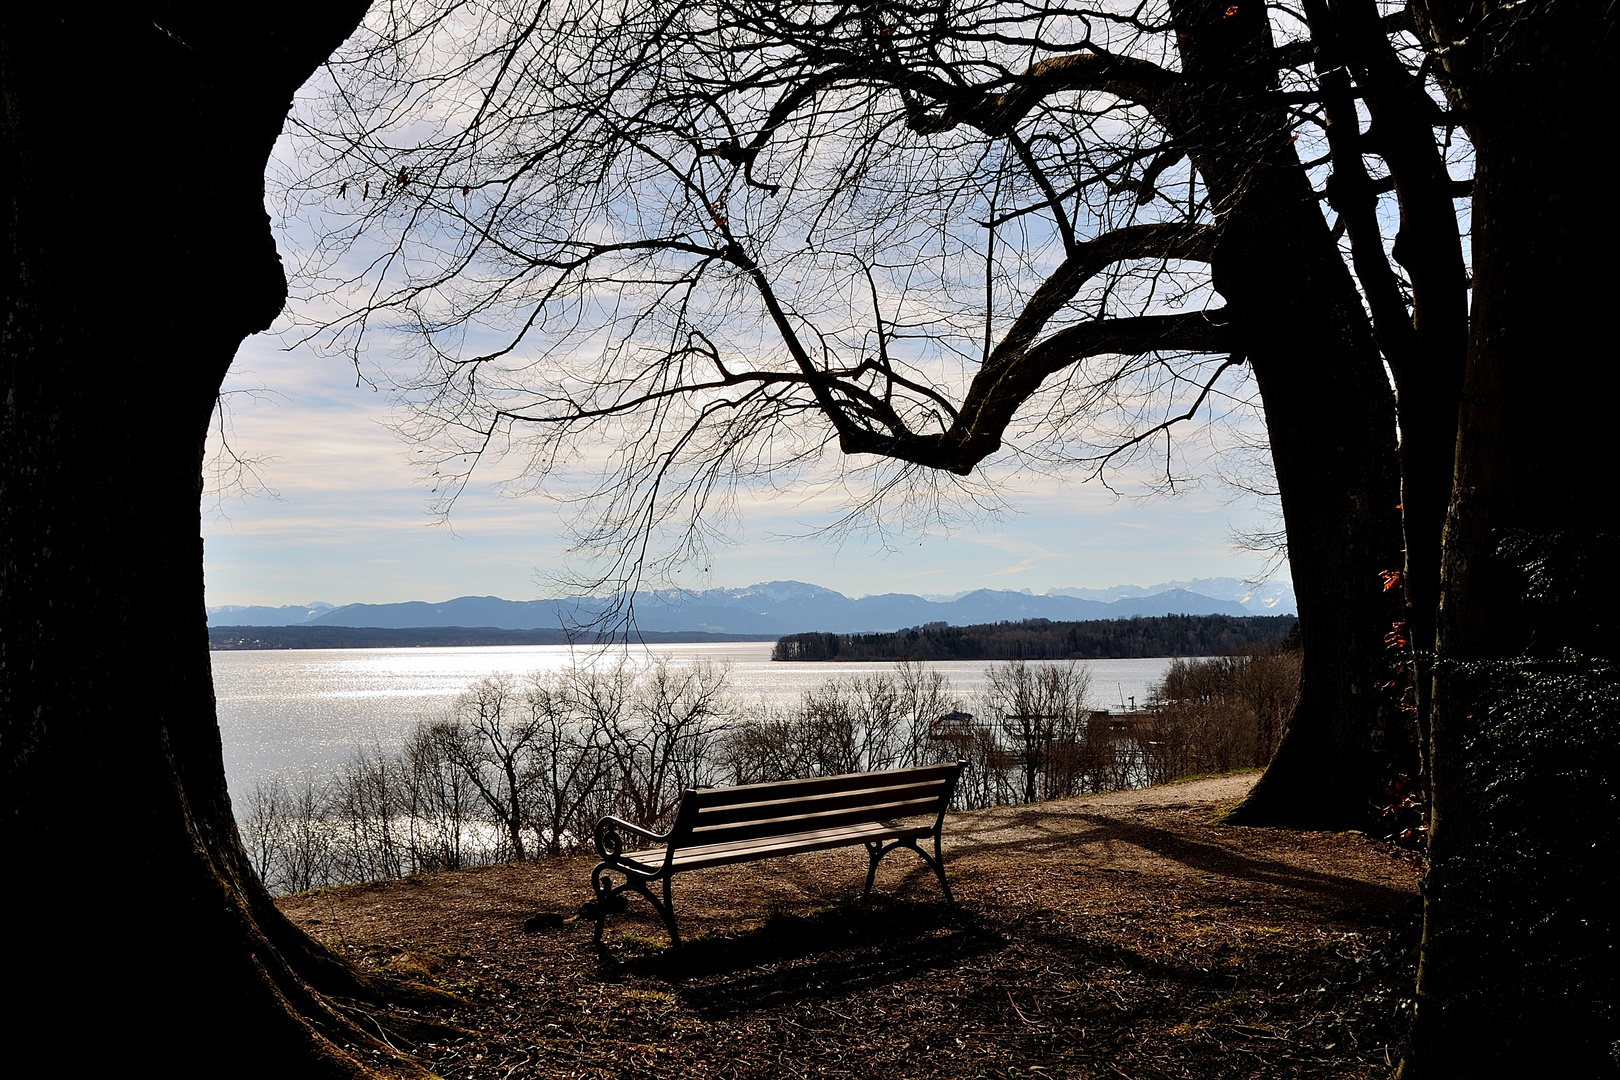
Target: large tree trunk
(137,256)
(1328,408)
(1525,641)
(1421,325)
(1331,423)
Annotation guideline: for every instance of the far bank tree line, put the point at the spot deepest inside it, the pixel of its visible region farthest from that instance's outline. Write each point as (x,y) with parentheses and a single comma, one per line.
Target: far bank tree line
(524,767)
(1043,639)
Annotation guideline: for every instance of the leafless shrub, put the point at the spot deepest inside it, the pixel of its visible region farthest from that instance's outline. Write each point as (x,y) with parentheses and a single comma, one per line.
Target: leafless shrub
(661,728)
(263,825)
(365,817)
(439,801)
(988,765)
(1033,737)
(567,765)
(925,695)
(522,767)
(489,740)
(765,747)
(1218,714)
(519,767)
(855,724)
(308,852)
(285,835)
(1043,711)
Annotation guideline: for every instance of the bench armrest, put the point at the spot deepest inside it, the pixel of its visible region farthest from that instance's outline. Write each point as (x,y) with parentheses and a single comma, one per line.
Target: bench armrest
(610,836)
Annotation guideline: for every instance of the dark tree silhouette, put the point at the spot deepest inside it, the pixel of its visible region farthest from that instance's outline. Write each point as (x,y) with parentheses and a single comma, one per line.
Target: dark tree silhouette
(1519,926)
(138,254)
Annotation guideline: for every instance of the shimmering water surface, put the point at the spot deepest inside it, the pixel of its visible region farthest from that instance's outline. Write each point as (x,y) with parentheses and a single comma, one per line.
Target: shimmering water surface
(302,713)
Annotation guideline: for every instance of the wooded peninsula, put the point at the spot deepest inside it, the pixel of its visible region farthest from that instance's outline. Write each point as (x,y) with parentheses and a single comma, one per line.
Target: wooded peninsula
(1043,639)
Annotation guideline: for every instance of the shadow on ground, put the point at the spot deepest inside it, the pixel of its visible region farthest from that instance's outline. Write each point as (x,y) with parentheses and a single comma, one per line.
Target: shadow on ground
(855,944)
(1042,835)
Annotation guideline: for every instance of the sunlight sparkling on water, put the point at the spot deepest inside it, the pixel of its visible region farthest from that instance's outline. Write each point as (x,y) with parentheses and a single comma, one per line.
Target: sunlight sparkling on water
(300,714)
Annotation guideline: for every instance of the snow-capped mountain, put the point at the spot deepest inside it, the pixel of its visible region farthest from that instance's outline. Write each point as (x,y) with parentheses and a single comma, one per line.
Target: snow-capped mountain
(1265,598)
(253,615)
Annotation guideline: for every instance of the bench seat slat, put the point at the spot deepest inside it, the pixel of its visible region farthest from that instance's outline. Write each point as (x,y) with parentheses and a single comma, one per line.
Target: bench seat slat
(783,806)
(819,785)
(703,833)
(701,855)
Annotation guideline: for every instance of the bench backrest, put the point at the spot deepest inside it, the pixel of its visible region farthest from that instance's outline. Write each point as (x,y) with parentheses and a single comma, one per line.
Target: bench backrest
(762,811)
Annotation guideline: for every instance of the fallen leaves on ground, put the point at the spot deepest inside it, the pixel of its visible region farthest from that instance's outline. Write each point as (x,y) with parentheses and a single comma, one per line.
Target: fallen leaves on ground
(1128,935)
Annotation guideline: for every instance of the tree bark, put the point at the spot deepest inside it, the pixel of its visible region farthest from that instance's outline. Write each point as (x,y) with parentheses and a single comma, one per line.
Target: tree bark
(1328,408)
(1532,81)
(1422,329)
(138,255)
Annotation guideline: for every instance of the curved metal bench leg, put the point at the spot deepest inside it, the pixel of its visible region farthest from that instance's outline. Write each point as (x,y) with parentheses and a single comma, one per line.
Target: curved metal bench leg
(874,855)
(664,907)
(604,889)
(875,850)
(667,910)
(936,861)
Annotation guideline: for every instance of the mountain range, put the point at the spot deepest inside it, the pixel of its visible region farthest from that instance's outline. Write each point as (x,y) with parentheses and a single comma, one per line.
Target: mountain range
(787,607)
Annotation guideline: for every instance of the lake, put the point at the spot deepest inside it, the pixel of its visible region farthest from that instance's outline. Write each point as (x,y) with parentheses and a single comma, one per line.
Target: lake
(300,714)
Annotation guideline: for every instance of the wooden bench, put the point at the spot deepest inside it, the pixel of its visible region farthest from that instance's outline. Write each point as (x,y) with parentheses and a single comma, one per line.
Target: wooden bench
(716,826)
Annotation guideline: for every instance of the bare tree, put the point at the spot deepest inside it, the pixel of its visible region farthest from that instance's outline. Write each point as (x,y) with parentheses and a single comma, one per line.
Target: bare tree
(568,762)
(287,836)
(263,827)
(882,720)
(1042,709)
(1526,79)
(1268,686)
(661,726)
(764,747)
(490,739)
(365,809)
(925,695)
(984,780)
(99,527)
(851,724)
(1216,714)
(439,802)
(1323,145)
(921,235)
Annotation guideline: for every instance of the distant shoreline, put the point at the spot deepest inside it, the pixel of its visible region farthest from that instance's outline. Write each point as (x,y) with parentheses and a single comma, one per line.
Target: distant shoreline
(1027,639)
(255,638)
(1139,637)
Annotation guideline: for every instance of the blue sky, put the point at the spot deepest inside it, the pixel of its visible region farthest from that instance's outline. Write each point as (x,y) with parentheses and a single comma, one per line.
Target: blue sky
(345,519)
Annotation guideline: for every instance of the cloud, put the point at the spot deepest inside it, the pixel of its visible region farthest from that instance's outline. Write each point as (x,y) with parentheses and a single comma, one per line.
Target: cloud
(351,522)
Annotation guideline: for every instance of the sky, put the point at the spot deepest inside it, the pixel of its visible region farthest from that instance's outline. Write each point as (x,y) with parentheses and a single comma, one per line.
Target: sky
(337,513)
(333,510)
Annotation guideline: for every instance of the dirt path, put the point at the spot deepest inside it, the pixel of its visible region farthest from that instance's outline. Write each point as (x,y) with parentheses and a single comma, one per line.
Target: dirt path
(1127,934)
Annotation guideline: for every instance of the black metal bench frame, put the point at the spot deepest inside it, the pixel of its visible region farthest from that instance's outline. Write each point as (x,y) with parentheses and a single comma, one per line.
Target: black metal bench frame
(720,826)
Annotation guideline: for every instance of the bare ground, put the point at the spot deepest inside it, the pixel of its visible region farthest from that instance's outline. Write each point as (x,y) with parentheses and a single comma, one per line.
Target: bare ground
(1122,935)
